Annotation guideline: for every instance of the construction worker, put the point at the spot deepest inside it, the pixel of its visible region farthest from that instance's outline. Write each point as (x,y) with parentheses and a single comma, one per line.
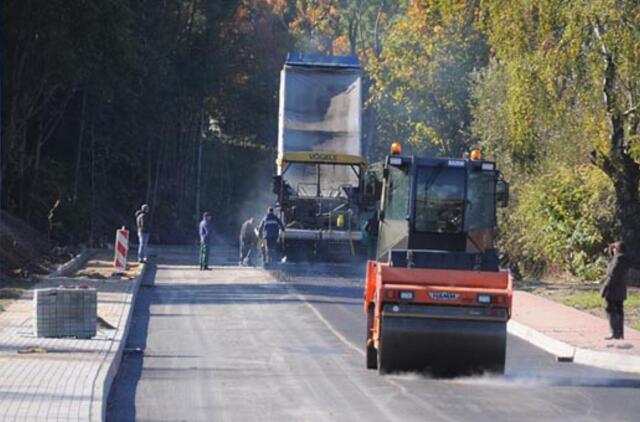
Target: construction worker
(206,236)
(371,231)
(248,241)
(269,231)
(614,290)
(142,224)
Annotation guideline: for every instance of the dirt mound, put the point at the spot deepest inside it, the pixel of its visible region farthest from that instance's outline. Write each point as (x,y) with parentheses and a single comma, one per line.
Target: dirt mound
(25,251)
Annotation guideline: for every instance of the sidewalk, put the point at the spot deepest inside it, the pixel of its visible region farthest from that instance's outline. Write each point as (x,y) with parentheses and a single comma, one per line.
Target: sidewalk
(572,335)
(69,379)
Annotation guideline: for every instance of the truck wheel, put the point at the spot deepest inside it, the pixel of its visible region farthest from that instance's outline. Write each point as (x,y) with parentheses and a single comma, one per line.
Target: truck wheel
(372,353)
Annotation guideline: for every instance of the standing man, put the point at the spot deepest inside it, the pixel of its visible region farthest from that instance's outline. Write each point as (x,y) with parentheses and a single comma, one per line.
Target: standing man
(206,236)
(614,290)
(142,223)
(248,240)
(269,230)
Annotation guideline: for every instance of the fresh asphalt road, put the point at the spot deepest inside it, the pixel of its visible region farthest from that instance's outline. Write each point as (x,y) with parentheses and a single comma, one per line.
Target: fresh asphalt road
(241,344)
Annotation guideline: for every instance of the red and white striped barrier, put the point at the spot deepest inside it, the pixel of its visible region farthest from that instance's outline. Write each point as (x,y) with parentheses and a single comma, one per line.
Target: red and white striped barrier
(122,249)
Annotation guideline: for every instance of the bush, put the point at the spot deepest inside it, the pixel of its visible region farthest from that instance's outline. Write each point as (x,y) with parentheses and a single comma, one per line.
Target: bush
(562,221)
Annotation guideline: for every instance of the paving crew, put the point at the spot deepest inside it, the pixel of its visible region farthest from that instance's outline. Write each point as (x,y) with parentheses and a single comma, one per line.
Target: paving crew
(248,241)
(205,230)
(614,290)
(142,224)
(269,231)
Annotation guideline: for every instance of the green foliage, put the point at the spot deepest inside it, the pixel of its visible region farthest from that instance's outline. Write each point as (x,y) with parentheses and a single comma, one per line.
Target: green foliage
(421,80)
(583,300)
(106,104)
(563,221)
(593,300)
(539,109)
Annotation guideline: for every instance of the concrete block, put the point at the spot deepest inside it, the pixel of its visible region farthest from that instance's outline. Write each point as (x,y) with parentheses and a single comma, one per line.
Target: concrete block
(65,312)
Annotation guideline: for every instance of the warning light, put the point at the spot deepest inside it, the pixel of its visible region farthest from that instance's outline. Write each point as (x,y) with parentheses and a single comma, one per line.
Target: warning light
(475,155)
(396,148)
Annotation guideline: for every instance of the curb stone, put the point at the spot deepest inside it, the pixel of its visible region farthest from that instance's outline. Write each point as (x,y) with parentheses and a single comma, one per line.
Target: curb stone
(567,353)
(71,266)
(608,360)
(562,351)
(109,370)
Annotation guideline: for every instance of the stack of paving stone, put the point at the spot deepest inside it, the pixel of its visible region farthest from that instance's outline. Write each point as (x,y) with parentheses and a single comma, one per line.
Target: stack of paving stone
(65,312)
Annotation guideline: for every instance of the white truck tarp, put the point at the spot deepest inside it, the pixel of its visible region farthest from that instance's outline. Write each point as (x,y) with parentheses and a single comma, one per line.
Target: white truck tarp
(320,110)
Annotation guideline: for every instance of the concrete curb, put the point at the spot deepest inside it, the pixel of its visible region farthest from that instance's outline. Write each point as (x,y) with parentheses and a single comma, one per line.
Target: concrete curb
(562,351)
(71,266)
(608,360)
(567,353)
(101,395)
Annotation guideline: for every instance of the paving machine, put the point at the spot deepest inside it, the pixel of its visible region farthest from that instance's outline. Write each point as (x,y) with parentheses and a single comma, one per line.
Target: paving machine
(319,183)
(435,297)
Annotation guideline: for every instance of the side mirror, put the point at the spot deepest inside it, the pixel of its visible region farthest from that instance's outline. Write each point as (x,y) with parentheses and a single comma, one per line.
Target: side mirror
(502,194)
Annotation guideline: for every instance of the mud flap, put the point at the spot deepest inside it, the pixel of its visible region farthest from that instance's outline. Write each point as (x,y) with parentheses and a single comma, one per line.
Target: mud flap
(442,347)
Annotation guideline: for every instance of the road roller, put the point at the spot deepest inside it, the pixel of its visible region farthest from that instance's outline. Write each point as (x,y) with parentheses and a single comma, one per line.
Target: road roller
(435,296)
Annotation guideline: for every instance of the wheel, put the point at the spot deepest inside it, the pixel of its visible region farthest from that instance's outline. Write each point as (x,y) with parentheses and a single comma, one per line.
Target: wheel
(372,353)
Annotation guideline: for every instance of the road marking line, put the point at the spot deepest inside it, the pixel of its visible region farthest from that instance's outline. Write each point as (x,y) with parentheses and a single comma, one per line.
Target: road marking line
(333,330)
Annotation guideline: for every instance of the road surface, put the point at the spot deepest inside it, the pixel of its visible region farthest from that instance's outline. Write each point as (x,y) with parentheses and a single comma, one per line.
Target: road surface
(240,344)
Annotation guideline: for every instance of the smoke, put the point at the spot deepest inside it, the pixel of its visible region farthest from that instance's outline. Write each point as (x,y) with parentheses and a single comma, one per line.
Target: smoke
(260,196)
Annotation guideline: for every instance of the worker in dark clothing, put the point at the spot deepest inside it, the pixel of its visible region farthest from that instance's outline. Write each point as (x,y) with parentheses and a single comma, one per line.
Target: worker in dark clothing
(269,231)
(248,241)
(142,224)
(614,290)
(205,231)
(371,231)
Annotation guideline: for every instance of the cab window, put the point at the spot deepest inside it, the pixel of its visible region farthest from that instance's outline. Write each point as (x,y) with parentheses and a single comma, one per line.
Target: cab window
(397,202)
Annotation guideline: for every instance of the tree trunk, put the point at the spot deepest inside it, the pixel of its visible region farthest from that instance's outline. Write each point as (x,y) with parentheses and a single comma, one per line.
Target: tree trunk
(76,181)
(200,141)
(93,187)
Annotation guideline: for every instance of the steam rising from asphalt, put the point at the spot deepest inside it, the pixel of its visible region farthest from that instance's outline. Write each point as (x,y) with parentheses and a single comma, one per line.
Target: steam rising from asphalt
(525,379)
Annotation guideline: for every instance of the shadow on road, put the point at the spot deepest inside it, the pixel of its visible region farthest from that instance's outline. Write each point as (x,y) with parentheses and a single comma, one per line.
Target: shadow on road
(121,403)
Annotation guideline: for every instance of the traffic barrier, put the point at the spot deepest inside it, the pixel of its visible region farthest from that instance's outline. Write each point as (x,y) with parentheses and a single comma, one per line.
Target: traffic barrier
(122,249)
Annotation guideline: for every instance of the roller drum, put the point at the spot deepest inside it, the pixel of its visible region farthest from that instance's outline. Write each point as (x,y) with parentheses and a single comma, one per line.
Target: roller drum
(440,346)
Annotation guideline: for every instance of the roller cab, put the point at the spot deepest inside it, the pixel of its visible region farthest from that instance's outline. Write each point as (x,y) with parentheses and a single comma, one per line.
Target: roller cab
(435,297)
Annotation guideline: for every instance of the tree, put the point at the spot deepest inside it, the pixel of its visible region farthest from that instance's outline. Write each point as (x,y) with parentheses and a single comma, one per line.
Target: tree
(421,80)
(584,63)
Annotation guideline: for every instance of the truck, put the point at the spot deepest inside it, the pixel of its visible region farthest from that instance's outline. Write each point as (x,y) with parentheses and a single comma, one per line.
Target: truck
(435,297)
(320,168)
